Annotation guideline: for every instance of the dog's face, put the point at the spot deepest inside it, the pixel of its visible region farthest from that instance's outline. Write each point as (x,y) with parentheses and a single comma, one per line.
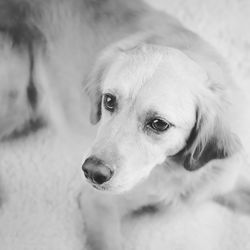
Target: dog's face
(147,104)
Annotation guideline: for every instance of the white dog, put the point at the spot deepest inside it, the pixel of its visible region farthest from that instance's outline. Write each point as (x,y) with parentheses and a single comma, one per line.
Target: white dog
(165,141)
(162,96)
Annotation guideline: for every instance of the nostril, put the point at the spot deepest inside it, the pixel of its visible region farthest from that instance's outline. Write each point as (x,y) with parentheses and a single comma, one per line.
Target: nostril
(86,173)
(99,178)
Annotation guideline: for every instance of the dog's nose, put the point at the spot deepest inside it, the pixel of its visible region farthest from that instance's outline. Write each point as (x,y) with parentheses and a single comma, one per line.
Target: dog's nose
(95,170)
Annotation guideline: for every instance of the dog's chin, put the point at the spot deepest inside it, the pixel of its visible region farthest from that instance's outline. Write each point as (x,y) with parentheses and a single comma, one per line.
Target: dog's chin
(99,187)
(112,188)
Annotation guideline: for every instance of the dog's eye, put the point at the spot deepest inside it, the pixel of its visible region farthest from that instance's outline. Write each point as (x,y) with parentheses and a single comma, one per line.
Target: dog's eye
(109,102)
(158,125)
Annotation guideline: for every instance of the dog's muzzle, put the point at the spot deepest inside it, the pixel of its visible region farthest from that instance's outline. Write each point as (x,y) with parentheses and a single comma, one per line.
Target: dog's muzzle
(96,171)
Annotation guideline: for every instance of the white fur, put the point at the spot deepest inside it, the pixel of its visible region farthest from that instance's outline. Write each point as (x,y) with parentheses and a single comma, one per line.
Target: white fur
(172,76)
(74,37)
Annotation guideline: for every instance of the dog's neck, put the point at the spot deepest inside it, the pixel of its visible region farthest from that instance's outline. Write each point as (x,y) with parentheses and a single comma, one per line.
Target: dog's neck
(170,184)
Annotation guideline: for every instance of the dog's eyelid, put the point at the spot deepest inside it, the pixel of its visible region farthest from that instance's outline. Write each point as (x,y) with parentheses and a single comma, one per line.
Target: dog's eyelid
(165,120)
(152,115)
(111,92)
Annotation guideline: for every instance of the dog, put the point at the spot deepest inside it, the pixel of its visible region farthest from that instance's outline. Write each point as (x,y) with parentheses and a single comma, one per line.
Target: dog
(161,94)
(163,99)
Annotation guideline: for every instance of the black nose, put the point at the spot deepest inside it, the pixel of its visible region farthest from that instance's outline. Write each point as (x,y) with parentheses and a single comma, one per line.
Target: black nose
(95,170)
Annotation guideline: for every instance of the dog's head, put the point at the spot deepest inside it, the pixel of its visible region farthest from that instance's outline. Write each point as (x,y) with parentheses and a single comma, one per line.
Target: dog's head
(155,105)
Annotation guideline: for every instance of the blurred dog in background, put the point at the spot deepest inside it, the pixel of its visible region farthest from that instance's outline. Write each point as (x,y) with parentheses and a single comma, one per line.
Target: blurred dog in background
(47,49)
(162,96)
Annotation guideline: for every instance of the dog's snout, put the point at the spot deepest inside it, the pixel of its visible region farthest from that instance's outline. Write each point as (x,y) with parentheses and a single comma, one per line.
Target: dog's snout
(95,170)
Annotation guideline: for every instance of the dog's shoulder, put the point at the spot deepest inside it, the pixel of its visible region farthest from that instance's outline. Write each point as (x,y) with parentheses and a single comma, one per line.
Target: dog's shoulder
(237,200)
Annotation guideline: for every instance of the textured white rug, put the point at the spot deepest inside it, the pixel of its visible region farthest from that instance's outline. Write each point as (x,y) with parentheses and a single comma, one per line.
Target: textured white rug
(39,190)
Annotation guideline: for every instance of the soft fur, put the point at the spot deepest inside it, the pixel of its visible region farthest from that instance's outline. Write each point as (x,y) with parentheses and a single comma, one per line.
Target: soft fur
(172,73)
(46,52)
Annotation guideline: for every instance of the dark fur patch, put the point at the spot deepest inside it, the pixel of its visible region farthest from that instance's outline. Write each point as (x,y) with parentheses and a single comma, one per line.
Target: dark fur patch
(32,93)
(99,109)
(15,22)
(31,127)
(209,152)
(95,94)
(116,10)
(181,157)
(201,156)
(237,201)
(97,7)
(149,209)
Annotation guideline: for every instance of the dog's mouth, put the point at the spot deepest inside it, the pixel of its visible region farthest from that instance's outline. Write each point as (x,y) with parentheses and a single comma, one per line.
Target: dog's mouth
(98,187)
(105,187)
(110,188)
(102,187)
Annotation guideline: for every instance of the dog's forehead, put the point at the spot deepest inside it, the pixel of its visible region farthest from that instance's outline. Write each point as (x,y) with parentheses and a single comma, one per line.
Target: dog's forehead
(162,67)
(174,102)
(130,71)
(163,82)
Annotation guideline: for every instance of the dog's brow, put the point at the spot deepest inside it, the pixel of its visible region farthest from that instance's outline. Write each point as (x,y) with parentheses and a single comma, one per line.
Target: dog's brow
(149,114)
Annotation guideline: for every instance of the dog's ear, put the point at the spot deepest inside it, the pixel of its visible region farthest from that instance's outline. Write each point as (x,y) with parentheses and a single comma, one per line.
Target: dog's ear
(94,93)
(209,139)
(94,81)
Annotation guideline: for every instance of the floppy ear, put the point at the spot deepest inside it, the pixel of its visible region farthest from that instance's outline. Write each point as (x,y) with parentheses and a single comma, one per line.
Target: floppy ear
(94,93)
(209,139)
(94,81)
